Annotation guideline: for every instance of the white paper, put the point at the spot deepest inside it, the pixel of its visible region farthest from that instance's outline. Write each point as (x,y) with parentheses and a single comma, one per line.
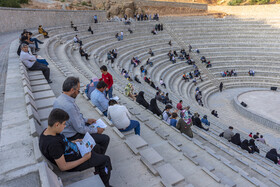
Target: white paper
(99,123)
(116,98)
(86,145)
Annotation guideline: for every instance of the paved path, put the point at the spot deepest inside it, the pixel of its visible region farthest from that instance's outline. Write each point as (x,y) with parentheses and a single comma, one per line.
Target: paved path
(44,1)
(222,102)
(5,40)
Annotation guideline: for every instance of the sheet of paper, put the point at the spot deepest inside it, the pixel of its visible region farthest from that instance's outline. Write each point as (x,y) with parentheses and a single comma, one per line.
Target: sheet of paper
(86,145)
(99,123)
(116,98)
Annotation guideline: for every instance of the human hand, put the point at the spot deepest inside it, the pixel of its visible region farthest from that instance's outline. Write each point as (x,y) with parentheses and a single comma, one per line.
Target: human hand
(100,130)
(87,155)
(78,140)
(107,89)
(91,121)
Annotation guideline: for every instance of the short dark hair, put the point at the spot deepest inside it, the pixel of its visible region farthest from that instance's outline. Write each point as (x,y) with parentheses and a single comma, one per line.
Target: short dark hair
(230,127)
(261,136)
(112,102)
(168,107)
(69,83)
(101,84)
(180,101)
(258,133)
(57,115)
(174,115)
(104,68)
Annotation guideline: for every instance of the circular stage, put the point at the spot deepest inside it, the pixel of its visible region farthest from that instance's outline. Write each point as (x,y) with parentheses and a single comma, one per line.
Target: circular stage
(263,103)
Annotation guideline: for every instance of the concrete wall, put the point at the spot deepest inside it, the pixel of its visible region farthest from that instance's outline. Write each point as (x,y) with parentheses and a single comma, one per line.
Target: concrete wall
(12,19)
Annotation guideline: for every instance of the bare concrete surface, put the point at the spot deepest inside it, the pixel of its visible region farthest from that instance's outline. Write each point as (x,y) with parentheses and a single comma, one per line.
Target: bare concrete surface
(30,180)
(264,103)
(222,102)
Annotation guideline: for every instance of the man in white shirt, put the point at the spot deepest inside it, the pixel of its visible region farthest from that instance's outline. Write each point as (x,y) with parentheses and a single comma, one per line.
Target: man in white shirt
(30,61)
(122,35)
(121,118)
(77,40)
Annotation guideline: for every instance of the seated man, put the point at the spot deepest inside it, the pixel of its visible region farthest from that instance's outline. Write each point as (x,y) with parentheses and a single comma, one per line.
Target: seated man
(227,134)
(98,97)
(65,154)
(77,40)
(77,126)
(121,118)
(151,52)
(162,83)
(83,53)
(32,63)
(149,62)
(205,121)
(42,31)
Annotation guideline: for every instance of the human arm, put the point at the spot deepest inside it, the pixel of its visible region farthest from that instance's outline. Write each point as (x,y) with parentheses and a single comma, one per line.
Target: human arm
(64,166)
(110,84)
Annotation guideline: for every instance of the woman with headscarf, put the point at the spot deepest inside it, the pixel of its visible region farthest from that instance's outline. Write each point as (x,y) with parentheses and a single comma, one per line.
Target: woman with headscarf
(245,145)
(236,139)
(154,108)
(141,100)
(272,155)
(253,146)
(184,124)
(129,91)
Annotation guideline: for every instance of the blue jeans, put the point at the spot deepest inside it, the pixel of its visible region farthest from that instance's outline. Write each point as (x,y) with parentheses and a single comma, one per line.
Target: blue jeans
(105,113)
(121,37)
(110,92)
(36,41)
(133,125)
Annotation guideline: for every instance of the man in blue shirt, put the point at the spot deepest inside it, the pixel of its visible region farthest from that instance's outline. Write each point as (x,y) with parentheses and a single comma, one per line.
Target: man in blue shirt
(77,126)
(99,99)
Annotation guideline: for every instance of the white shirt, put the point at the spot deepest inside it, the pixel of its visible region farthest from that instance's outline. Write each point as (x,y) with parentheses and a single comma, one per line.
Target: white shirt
(27,59)
(165,117)
(161,81)
(121,33)
(75,39)
(119,116)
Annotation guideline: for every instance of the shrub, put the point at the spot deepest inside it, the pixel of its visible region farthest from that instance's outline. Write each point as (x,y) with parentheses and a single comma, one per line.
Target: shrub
(12,3)
(259,2)
(235,2)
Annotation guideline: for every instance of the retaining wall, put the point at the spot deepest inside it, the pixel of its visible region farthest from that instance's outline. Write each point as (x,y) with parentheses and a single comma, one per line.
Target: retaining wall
(13,19)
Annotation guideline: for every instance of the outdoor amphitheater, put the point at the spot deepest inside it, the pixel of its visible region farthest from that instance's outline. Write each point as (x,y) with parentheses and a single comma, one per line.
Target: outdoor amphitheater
(161,155)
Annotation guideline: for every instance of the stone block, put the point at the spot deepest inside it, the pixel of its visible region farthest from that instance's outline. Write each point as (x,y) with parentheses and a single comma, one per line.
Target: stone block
(216,178)
(174,140)
(198,143)
(252,180)
(163,134)
(277,182)
(36,77)
(44,113)
(191,158)
(40,88)
(151,156)
(205,164)
(107,121)
(174,145)
(38,82)
(186,136)
(142,117)
(45,103)
(135,111)
(137,141)
(175,129)
(242,161)
(226,180)
(48,177)
(43,94)
(99,112)
(152,124)
(150,167)
(169,174)
(118,132)
(37,153)
(258,171)
(95,179)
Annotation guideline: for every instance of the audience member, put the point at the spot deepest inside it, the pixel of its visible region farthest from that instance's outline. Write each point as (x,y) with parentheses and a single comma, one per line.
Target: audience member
(197,122)
(90,30)
(77,40)
(236,139)
(42,31)
(83,53)
(162,83)
(256,135)
(166,99)
(32,63)
(137,79)
(245,146)
(173,119)
(184,124)
(98,98)
(154,108)
(272,155)
(129,91)
(169,43)
(77,126)
(179,105)
(141,100)
(205,121)
(65,154)
(253,146)
(108,79)
(166,113)
(158,97)
(261,139)
(95,19)
(215,113)
(91,86)
(151,52)
(227,134)
(121,118)
(251,134)
(221,86)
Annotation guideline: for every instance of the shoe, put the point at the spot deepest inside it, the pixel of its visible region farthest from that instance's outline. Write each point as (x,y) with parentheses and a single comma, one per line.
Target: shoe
(49,81)
(42,43)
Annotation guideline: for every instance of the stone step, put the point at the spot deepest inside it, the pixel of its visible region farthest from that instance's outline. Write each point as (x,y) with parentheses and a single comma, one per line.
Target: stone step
(169,174)
(151,156)
(137,141)
(152,124)
(212,175)
(163,134)
(95,179)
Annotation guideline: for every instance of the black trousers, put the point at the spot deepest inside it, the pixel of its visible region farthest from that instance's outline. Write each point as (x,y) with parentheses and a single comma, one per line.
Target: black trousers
(43,68)
(101,140)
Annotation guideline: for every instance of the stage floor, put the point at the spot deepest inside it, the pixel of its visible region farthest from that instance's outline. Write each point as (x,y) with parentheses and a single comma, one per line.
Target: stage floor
(264,103)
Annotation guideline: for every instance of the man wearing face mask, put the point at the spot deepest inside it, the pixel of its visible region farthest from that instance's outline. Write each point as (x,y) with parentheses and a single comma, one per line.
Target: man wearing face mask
(77,126)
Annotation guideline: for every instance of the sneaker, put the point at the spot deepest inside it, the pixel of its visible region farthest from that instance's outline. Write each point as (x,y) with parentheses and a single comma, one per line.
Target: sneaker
(42,43)
(49,81)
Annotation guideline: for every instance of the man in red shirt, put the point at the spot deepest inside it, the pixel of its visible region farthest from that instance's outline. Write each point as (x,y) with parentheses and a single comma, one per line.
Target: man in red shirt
(108,79)
(179,105)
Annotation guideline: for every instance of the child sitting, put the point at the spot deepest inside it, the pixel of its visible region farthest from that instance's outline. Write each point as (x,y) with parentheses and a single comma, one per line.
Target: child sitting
(173,119)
